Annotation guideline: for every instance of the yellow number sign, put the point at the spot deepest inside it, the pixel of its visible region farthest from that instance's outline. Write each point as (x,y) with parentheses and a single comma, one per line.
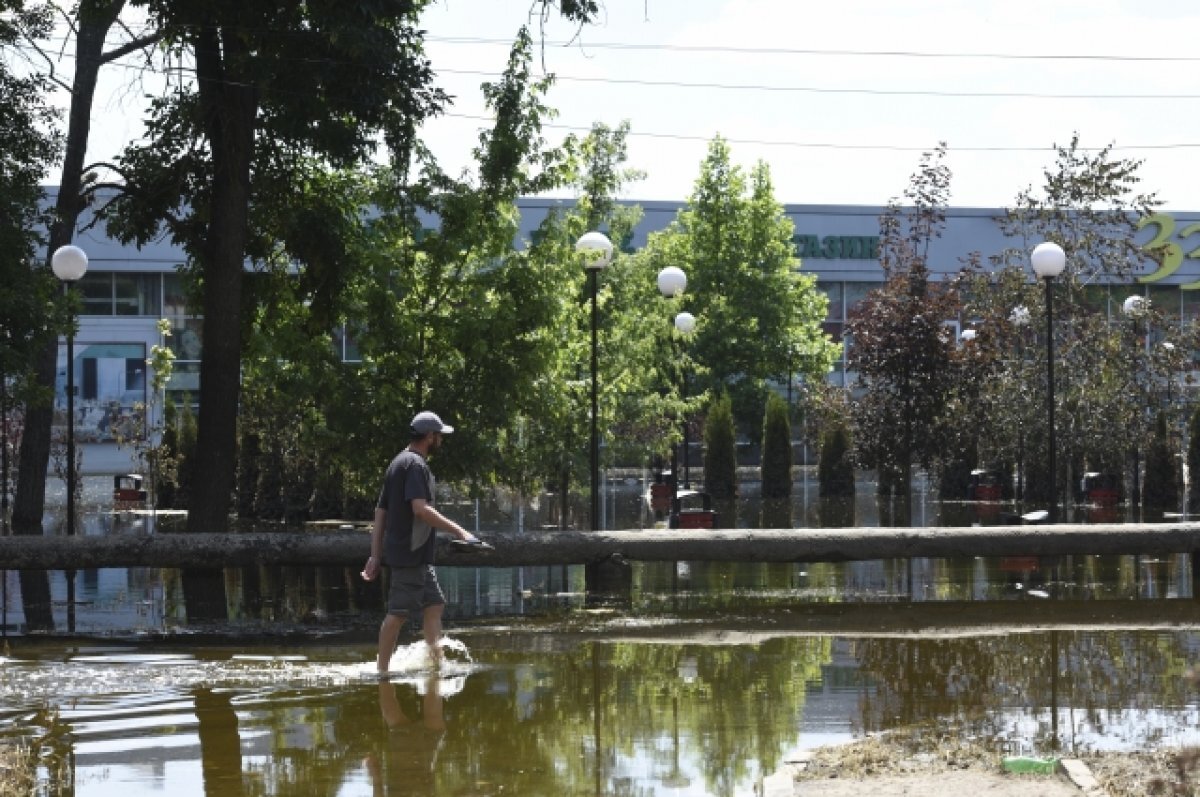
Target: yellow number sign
(1168,252)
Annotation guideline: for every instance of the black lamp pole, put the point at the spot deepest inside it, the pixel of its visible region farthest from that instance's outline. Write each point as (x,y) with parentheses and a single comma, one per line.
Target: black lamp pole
(70,424)
(1052,464)
(1048,261)
(597,251)
(69,264)
(594,460)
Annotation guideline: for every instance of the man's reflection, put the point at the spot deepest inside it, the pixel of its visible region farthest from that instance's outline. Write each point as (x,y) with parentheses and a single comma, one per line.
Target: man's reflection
(405,761)
(220,743)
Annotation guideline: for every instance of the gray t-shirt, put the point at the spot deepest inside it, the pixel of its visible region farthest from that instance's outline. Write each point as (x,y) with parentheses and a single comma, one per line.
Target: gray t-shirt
(407,542)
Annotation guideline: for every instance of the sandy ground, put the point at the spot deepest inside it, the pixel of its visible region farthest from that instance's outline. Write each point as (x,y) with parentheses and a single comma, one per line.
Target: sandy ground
(944,784)
(945,765)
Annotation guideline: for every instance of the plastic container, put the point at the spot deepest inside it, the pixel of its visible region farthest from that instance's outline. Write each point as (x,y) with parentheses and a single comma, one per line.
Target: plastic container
(1029,765)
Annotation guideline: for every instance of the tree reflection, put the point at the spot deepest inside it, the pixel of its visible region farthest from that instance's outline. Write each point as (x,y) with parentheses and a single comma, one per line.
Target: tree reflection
(985,684)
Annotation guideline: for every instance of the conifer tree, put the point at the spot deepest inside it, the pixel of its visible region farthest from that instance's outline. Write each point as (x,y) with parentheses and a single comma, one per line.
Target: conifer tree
(720,451)
(835,470)
(776,451)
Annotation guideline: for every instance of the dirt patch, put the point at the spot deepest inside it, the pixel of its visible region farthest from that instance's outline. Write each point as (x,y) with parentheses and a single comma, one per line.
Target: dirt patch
(947,765)
(18,775)
(1147,774)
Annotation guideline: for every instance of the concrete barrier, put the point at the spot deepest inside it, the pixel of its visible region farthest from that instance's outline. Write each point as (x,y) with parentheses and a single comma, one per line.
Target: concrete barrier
(341,547)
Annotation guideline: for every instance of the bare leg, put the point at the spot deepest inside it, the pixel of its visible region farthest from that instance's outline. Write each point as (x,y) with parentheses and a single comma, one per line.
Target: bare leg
(433,632)
(389,634)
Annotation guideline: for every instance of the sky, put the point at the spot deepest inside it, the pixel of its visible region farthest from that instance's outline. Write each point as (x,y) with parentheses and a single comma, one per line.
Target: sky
(839,98)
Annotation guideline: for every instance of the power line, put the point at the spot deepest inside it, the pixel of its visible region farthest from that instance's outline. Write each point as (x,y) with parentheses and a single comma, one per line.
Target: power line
(820,90)
(633,133)
(144,67)
(699,48)
(710,86)
(838,53)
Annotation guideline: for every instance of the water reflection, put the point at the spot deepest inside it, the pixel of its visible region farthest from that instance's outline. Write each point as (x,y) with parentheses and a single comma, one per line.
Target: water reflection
(407,759)
(274,600)
(220,743)
(548,710)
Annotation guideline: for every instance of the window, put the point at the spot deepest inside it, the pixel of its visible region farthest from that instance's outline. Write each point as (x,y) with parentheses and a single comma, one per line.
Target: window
(833,290)
(109,379)
(184,386)
(95,292)
(174,296)
(120,293)
(136,294)
(185,339)
(856,292)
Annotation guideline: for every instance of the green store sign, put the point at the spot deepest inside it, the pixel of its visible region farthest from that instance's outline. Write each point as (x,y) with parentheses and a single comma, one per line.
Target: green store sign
(836,247)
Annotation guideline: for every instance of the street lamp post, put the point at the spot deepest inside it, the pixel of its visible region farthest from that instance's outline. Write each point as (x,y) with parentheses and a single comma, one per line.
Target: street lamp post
(1135,307)
(672,282)
(70,263)
(1048,261)
(685,323)
(1019,317)
(597,252)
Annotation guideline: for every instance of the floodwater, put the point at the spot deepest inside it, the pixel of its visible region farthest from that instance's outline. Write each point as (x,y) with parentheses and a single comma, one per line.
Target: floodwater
(699,680)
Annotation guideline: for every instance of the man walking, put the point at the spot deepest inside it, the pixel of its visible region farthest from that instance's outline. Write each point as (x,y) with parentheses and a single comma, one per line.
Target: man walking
(403,538)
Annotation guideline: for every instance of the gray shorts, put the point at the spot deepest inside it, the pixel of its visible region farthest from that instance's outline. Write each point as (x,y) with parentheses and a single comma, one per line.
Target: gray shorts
(414,588)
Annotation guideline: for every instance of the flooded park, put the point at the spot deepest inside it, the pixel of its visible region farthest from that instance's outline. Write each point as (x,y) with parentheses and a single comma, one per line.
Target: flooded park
(699,678)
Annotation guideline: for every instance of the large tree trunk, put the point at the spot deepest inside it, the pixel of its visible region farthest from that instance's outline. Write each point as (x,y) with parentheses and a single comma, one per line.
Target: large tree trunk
(230,107)
(29,503)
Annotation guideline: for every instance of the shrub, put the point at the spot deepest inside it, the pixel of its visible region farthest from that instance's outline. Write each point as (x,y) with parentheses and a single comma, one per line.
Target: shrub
(835,472)
(720,452)
(776,450)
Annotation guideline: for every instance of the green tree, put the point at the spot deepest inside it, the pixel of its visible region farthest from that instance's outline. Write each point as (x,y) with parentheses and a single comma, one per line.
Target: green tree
(643,363)
(720,451)
(91,22)
(1109,373)
(28,149)
(275,85)
(756,312)
(458,319)
(447,316)
(835,468)
(263,73)
(776,450)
